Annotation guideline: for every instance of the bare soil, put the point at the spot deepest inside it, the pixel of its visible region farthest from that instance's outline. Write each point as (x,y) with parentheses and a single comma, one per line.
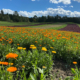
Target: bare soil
(71,27)
(61,69)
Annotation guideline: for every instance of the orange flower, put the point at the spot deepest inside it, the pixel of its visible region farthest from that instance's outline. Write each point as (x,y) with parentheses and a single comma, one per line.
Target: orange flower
(10,42)
(35,41)
(63,37)
(11,55)
(59,35)
(4,63)
(57,38)
(0,39)
(17,44)
(76,47)
(23,66)
(53,40)
(74,62)
(12,69)
(39,45)
(43,67)
(40,39)
(2,44)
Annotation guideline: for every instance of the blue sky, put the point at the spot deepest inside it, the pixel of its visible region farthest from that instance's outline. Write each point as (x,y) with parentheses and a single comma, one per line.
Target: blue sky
(29,8)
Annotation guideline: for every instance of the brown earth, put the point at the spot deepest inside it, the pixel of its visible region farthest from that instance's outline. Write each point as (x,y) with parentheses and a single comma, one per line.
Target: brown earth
(71,27)
(61,69)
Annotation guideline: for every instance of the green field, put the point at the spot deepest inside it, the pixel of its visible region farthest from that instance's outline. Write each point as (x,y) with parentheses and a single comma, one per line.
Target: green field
(29,53)
(4,23)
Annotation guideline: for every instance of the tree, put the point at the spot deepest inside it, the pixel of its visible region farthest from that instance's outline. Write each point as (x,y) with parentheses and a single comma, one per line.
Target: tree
(35,18)
(2,12)
(15,13)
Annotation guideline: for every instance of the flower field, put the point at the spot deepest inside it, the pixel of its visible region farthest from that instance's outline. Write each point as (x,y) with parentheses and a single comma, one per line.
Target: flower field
(29,53)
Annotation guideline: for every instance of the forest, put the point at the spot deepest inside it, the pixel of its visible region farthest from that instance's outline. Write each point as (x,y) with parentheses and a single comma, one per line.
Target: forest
(15,17)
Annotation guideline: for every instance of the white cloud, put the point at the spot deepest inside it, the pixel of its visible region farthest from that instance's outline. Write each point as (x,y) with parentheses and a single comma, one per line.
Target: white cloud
(49,11)
(32,0)
(58,6)
(77,0)
(8,11)
(65,6)
(61,6)
(71,6)
(61,1)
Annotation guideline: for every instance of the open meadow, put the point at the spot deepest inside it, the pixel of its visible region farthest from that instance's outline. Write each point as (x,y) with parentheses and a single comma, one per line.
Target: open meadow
(39,52)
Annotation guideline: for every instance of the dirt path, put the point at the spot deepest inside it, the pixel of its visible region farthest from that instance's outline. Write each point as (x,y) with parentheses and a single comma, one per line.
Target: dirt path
(50,26)
(30,25)
(46,25)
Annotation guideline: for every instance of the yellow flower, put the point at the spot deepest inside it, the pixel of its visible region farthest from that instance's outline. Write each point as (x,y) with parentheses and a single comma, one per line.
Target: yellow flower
(44,49)
(19,48)
(51,47)
(32,46)
(24,48)
(10,63)
(53,51)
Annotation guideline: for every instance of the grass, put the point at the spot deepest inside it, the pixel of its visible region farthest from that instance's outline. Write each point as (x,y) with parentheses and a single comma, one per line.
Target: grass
(56,28)
(4,23)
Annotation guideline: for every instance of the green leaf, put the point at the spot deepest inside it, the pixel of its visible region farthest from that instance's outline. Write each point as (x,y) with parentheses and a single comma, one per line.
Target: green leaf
(31,75)
(40,70)
(68,78)
(72,70)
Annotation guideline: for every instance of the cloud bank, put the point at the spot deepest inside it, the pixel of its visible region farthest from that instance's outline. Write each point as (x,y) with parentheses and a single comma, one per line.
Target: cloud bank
(60,1)
(49,11)
(66,2)
(32,0)
(77,0)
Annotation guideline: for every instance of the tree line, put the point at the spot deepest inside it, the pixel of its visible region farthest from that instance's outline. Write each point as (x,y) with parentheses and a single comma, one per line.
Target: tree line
(16,18)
